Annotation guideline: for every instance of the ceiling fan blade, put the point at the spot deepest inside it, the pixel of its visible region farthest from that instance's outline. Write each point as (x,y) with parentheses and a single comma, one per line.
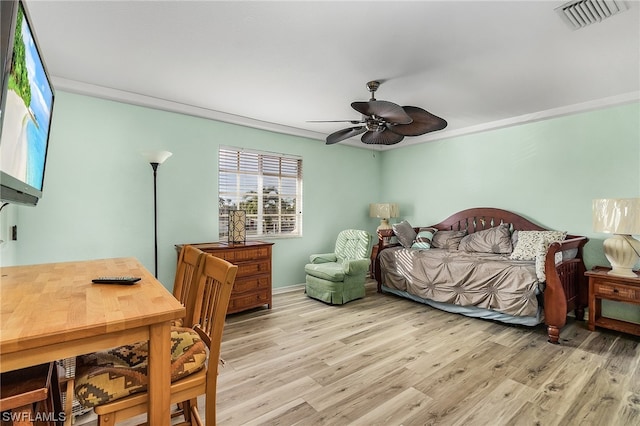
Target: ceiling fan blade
(423,122)
(336,121)
(343,134)
(388,110)
(381,138)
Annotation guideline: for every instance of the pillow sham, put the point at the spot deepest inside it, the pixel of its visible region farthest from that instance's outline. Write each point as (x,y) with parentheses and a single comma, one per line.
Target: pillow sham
(423,239)
(449,240)
(405,233)
(530,243)
(492,240)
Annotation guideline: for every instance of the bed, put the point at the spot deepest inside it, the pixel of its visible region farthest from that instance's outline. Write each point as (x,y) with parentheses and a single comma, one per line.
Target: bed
(484,275)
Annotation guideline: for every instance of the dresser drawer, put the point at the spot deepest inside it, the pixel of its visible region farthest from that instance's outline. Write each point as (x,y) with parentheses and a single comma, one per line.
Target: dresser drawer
(247,301)
(253,268)
(257,283)
(240,255)
(618,291)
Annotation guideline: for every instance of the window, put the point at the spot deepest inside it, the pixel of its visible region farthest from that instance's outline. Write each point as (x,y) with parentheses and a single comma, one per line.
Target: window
(266,185)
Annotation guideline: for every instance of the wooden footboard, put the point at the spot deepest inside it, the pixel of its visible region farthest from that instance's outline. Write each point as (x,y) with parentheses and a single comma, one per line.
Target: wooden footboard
(565,282)
(566,288)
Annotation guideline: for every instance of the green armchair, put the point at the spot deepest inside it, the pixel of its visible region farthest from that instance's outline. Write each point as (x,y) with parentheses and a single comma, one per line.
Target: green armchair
(339,277)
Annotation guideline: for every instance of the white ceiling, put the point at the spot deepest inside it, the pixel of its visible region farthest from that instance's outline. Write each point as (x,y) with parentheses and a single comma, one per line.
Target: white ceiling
(276,65)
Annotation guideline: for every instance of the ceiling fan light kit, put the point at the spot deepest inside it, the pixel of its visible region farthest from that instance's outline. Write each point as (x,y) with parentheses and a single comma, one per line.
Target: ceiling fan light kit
(386,123)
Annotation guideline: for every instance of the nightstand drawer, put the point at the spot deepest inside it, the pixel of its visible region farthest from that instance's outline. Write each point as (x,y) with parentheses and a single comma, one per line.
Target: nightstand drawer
(616,291)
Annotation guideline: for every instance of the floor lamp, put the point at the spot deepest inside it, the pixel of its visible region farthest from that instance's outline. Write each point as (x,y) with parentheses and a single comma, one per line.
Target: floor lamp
(155,158)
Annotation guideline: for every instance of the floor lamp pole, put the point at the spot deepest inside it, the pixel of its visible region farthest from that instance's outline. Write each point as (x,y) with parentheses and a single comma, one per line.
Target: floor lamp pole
(155,217)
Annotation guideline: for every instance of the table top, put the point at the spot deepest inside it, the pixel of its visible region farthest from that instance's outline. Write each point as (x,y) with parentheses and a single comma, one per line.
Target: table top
(57,302)
(223,245)
(603,271)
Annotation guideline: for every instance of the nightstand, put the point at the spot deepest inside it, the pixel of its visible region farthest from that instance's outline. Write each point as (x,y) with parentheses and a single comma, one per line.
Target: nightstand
(372,267)
(610,287)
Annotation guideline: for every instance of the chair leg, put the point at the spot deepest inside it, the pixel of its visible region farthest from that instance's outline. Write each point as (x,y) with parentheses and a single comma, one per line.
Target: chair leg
(195,414)
(107,420)
(22,416)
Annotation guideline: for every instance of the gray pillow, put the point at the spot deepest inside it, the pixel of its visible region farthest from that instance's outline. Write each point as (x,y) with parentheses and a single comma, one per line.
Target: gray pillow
(492,240)
(405,233)
(448,239)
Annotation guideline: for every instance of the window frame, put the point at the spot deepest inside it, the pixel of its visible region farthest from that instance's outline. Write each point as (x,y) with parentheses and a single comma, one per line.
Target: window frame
(243,176)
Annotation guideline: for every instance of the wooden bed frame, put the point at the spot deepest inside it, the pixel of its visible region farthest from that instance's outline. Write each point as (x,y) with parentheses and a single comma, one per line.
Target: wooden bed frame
(566,283)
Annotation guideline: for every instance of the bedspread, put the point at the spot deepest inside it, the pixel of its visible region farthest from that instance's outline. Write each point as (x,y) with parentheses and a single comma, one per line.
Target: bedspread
(489,281)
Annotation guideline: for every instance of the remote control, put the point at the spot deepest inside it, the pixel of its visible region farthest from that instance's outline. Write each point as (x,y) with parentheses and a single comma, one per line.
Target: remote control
(116,280)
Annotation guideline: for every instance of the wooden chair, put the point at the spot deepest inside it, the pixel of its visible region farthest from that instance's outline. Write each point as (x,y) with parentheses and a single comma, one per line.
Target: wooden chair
(188,262)
(210,298)
(31,394)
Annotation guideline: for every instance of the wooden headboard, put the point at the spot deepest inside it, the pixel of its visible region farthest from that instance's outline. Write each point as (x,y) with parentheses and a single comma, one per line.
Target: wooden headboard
(480,218)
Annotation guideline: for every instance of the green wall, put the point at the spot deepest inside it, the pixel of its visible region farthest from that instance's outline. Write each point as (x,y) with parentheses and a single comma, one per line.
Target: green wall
(98,194)
(98,198)
(548,171)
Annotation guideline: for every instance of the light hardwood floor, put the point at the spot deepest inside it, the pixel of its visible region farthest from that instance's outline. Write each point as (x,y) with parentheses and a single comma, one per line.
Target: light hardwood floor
(383,360)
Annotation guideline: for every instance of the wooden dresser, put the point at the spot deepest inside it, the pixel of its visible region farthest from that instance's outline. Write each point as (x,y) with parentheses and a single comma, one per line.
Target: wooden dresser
(252,287)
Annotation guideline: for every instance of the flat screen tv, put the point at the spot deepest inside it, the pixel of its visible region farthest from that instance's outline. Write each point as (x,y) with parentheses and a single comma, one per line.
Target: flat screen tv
(25,109)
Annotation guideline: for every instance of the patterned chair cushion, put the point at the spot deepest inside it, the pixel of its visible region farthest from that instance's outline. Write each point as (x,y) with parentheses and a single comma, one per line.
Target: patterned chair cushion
(108,375)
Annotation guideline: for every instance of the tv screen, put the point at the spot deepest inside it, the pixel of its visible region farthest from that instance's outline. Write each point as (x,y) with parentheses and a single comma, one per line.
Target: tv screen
(26,112)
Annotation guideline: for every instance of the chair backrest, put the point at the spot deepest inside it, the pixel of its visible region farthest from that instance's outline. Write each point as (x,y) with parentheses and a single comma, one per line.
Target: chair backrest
(214,282)
(188,262)
(210,298)
(353,244)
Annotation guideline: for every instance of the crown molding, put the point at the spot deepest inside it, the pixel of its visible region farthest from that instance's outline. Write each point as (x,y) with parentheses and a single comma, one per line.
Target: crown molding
(132,98)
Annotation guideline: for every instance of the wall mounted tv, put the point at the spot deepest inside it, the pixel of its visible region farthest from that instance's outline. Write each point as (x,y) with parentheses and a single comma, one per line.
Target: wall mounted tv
(25,108)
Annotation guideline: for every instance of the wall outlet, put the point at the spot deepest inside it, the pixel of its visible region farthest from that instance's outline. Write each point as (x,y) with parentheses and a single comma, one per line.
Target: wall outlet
(14,233)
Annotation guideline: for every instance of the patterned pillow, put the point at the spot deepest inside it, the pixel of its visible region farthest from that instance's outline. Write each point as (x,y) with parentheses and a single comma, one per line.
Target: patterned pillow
(108,375)
(449,240)
(531,243)
(492,240)
(423,239)
(405,233)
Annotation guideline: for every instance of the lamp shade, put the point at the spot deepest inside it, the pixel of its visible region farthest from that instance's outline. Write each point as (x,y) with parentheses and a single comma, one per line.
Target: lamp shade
(384,210)
(617,216)
(157,157)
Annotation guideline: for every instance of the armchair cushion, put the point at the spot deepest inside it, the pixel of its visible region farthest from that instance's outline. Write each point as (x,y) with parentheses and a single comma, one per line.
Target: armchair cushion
(330,271)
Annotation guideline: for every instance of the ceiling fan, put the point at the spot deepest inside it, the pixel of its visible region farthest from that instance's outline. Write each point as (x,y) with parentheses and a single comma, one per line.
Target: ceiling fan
(385,123)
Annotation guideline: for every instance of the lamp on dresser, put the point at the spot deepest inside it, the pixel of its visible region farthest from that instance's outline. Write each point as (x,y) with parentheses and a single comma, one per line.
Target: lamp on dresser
(621,217)
(155,158)
(384,212)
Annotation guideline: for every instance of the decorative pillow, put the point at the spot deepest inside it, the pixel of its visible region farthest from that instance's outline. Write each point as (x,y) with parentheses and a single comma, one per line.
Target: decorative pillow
(405,233)
(115,373)
(449,240)
(530,243)
(492,240)
(424,237)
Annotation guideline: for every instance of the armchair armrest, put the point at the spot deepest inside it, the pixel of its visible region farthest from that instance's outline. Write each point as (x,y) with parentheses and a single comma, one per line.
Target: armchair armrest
(323,258)
(354,267)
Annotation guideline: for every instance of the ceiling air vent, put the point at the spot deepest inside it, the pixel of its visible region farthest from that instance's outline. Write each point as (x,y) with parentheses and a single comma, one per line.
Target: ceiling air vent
(578,14)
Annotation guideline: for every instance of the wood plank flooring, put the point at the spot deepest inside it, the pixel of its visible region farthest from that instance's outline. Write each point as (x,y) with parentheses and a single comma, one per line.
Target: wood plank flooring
(383,360)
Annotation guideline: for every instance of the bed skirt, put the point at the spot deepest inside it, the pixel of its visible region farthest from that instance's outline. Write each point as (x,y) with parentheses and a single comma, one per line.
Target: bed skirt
(472,311)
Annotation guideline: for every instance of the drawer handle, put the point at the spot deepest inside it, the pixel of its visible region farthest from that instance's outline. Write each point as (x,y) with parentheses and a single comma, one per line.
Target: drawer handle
(615,290)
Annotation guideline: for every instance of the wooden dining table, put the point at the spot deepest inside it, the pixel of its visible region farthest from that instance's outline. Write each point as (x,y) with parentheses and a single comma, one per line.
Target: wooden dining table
(53,311)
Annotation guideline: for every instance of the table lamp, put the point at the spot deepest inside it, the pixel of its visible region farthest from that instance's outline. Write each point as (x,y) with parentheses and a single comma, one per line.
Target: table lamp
(384,211)
(621,217)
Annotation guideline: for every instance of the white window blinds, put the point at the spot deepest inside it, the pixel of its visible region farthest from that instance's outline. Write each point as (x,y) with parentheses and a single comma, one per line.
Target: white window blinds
(268,186)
